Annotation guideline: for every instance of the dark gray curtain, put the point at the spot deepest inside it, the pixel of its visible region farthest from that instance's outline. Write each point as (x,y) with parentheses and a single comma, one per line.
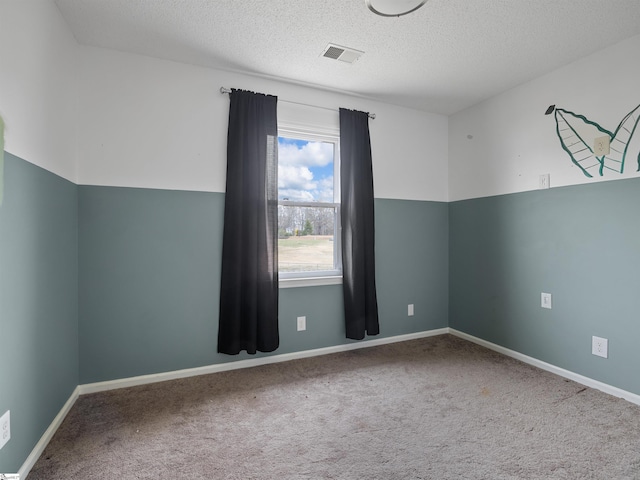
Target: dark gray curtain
(249,289)
(358,255)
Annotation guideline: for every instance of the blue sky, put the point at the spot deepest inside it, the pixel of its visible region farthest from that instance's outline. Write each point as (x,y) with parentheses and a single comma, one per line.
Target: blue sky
(305,170)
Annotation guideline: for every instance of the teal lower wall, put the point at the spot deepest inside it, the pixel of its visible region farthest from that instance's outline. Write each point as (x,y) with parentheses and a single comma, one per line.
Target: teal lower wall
(103,283)
(150,280)
(579,243)
(39,302)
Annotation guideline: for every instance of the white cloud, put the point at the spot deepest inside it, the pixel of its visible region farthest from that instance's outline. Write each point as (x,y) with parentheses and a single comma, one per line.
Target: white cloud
(296,179)
(296,195)
(324,190)
(312,154)
(326,183)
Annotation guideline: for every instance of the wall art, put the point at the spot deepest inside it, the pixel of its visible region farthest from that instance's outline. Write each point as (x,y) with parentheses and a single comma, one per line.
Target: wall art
(593,148)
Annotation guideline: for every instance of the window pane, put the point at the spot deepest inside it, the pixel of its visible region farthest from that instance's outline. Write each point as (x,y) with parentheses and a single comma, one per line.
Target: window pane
(305,170)
(306,238)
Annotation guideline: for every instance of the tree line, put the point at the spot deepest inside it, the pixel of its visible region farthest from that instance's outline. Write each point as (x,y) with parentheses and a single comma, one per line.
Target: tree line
(294,220)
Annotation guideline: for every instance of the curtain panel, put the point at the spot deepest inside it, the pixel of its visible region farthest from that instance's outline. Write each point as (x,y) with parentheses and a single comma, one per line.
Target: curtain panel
(358,232)
(249,284)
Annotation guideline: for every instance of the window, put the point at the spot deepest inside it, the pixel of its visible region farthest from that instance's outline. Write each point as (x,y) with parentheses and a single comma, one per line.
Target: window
(308,205)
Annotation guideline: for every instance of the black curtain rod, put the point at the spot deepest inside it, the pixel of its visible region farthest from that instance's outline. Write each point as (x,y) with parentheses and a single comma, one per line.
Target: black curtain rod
(371,115)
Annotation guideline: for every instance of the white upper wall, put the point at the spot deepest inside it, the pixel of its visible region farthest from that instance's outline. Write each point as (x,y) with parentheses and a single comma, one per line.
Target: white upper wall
(513,142)
(101,117)
(127,120)
(38,85)
(150,123)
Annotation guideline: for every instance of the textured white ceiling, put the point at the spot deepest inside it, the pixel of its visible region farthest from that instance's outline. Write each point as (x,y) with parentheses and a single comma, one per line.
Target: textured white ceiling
(445,57)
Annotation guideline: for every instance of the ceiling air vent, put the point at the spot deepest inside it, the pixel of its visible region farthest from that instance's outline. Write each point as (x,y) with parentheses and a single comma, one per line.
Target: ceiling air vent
(344,54)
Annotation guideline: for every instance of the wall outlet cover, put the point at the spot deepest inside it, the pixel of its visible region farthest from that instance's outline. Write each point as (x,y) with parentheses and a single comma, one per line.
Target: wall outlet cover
(601,146)
(600,347)
(302,323)
(545,181)
(5,428)
(545,300)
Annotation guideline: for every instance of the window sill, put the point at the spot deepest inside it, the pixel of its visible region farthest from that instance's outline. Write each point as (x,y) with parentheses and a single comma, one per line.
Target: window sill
(309,281)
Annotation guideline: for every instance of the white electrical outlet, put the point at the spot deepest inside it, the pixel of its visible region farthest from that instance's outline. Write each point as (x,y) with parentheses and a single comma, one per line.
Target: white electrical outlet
(545,181)
(545,300)
(5,428)
(410,310)
(601,146)
(302,323)
(600,347)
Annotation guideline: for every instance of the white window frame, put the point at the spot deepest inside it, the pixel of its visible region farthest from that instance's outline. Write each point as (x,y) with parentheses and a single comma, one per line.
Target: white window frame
(324,277)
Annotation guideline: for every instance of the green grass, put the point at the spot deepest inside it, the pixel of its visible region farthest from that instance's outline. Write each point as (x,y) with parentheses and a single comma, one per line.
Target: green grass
(300,242)
(305,253)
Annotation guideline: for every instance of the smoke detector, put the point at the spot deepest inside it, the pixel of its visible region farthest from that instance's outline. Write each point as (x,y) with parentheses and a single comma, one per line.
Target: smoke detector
(344,54)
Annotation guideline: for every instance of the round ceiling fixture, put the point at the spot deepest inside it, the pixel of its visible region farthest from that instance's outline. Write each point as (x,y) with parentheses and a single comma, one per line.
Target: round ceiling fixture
(394,8)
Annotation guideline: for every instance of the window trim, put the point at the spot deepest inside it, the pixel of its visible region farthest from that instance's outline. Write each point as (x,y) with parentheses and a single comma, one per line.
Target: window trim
(323,277)
(309,281)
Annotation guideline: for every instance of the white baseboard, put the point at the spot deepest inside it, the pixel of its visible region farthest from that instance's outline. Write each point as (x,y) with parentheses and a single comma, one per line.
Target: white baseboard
(586,381)
(47,436)
(253,362)
(191,372)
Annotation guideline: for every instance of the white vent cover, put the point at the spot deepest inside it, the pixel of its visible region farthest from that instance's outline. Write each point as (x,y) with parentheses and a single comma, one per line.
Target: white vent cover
(344,54)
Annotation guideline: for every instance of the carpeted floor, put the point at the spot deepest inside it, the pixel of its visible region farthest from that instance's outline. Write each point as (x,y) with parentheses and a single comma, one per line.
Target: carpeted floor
(436,408)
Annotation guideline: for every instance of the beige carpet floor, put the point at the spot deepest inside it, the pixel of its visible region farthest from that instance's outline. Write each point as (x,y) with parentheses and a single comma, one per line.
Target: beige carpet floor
(435,408)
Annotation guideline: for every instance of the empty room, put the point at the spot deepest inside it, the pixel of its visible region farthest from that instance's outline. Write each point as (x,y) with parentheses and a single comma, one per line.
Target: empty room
(341,239)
